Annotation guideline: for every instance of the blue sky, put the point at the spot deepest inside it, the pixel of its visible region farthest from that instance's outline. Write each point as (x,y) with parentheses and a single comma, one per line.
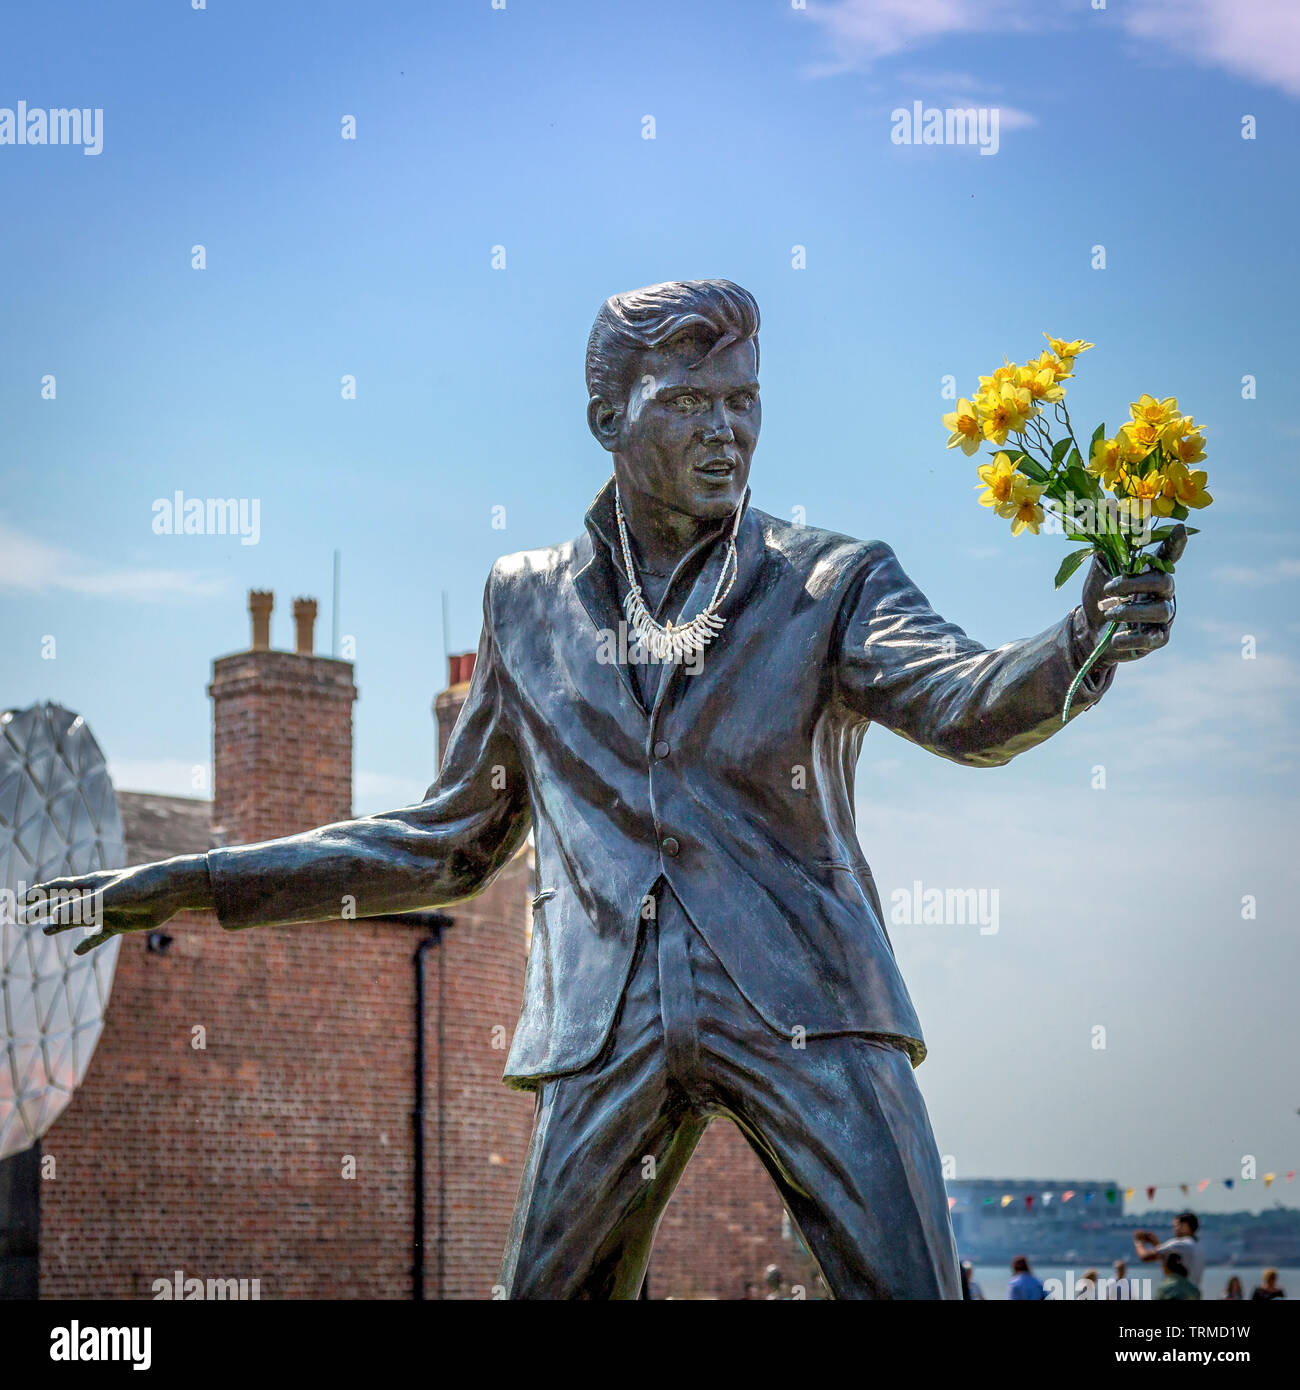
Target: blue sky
(523,128)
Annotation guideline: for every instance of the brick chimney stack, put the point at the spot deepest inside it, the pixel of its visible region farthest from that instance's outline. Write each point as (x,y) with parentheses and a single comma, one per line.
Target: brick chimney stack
(260,603)
(281,734)
(304,618)
(447,705)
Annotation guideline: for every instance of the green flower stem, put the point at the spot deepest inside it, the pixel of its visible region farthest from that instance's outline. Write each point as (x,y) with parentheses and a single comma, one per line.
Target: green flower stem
(1127,563)
(1107,633)
(1027,443)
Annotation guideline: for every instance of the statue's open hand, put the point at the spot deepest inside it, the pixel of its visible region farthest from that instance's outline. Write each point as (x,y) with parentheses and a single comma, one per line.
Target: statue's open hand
(106,903)
(1144,603)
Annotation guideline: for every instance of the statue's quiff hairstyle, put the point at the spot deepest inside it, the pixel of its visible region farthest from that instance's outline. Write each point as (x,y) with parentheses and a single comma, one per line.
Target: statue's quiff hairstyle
(717,311)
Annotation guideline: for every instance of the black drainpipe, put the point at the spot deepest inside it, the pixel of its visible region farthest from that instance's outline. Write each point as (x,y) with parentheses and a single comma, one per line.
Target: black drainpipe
(434,923)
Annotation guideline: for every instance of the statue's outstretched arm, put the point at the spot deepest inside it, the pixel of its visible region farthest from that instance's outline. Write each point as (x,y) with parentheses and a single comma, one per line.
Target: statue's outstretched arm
(447,847)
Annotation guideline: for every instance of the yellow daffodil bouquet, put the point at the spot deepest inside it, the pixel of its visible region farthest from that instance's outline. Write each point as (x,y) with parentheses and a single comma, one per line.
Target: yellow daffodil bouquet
(1111,499)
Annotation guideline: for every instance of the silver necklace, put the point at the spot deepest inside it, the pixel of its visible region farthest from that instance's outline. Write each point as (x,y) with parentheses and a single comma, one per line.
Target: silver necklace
(669,643)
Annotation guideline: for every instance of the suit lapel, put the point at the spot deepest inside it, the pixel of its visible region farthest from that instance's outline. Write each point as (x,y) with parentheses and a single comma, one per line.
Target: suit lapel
(597,589)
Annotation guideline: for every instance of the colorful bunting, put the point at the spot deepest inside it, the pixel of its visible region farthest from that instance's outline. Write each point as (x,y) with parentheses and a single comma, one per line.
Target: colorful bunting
(1045,1199)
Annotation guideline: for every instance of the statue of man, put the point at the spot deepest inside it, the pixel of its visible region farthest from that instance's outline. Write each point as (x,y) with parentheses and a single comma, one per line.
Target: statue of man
(675,702)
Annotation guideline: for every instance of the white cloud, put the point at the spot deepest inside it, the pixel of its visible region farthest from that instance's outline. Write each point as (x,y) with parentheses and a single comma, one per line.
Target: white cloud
(863,31)
(1222,712)
(1258,574)
(1012,118)
(963,89)
(966,82)
(34,566)
(1258,41)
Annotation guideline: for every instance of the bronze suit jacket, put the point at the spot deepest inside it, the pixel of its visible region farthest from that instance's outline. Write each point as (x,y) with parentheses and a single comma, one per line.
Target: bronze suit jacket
(736,786)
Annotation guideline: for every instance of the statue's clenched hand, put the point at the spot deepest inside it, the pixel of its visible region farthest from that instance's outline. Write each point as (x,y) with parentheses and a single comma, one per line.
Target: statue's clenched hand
(1144,603)
(112,901)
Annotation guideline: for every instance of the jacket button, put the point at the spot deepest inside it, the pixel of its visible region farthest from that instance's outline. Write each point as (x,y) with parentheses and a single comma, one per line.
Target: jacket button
(661,749)
(670,846)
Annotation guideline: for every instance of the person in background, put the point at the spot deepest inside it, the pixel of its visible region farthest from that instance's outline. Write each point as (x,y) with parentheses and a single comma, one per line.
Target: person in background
(1176,1284)
(1268,1289)
(1184,1244)
(969,1288)
(1087,1286)
(1234,1290)
(1023,1285)
(1118,1287)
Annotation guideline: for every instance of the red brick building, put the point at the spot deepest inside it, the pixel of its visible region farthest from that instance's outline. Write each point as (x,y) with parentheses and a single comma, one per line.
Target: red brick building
(249,1111)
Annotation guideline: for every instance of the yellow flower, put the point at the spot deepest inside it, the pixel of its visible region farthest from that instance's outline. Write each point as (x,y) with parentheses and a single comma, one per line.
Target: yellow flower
(1067,351)
(1182,488)
(1006,372)
(1137,439)
(1050,362)
(1022,506)
(1143,495)
(1147,410)
(1184,440)
(1107,463)
(1040,382)
(964,422)
(1147,488)
(998,478)
(1006,412)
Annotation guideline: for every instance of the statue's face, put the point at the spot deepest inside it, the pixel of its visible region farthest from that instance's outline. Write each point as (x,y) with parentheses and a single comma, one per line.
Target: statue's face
(688,430)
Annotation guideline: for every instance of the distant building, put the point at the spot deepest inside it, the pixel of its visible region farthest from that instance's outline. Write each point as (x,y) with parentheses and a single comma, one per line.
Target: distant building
(996,1218)
(1092,1226)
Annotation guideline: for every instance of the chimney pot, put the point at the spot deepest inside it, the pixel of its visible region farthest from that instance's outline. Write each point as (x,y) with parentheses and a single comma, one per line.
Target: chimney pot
(460,667)
(260,603)
(448,703)
(304,617)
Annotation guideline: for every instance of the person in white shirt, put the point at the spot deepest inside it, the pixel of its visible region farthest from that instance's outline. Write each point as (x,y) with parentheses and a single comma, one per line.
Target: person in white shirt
(1183,1244)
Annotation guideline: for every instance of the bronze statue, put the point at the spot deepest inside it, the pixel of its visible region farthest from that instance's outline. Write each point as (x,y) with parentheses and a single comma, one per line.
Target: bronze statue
(675,702)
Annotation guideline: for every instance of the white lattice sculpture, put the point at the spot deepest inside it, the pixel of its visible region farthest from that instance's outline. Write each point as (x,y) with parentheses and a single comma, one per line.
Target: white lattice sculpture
(58,815)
